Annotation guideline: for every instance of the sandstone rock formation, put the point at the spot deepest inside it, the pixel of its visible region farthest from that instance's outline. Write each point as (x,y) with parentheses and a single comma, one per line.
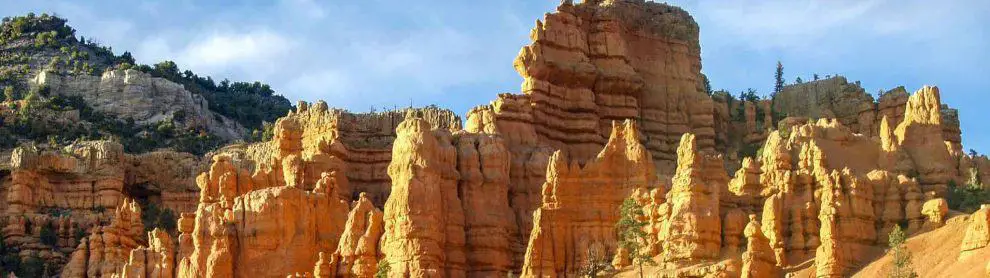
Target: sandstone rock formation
(531,184)
(834,98)
(157,260)
(75,188)
(758,260)
(368,138)
(570,221)
(105,252)
(600,61)
(693,229)
(935,210)
(424,217)
(920,134)
(977,232)
(357,145)
(97,164)
(483,161)
(357,253)
(264,231)
(80,181)
(851,105)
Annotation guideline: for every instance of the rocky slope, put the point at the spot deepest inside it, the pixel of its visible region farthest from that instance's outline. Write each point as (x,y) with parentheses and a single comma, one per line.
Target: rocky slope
(533,184)
(60,88)
(132,94)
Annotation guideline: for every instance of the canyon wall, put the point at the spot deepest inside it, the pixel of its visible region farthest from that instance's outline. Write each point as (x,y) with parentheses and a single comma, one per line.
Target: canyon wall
(593,63)
(73,189)
(612,108)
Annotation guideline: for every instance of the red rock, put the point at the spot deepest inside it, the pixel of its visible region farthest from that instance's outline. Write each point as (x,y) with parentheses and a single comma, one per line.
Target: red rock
(569,213)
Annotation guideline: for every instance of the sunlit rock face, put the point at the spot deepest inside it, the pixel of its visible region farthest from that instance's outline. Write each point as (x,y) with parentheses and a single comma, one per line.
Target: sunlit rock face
(571,221)
(73,189)
(611,108)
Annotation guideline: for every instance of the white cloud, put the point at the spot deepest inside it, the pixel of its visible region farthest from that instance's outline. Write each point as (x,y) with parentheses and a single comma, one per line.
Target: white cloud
(223,50)
(254,54)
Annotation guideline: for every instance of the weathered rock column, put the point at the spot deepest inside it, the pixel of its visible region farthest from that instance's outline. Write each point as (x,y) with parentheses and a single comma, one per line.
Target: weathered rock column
(424,221)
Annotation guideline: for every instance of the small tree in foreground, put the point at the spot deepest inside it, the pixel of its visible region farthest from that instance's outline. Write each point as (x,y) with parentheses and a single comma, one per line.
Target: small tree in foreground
(631,234)
(598,260)
(902,257)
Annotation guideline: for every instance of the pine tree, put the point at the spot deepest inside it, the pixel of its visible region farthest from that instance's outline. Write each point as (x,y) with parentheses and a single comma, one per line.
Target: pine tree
(902,257)
(631,234)
(708,84)
(779,85)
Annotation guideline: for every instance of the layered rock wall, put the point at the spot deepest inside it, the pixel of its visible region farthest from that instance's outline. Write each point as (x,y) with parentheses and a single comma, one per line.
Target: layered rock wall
(596,62)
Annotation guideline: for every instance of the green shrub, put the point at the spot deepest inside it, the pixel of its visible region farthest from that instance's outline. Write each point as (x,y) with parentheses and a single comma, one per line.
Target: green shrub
(9,94)
(32,267)
(11,262)
(80,234)
(45,39)
(967,198)
(48,236)
(266,133)
(153,216)
(383,269)
(749,150)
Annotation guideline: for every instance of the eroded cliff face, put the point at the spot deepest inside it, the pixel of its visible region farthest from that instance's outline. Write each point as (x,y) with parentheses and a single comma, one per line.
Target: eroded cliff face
(358,145)
(74,189)
(105,251)
(424,238)
(921,135)
(570,221)
(269,223)
(357,253)
(139,96)
(611,108)
(595,62)
(834,98)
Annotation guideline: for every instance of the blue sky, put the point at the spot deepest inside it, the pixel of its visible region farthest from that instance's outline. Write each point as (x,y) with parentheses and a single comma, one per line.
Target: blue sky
(458,53)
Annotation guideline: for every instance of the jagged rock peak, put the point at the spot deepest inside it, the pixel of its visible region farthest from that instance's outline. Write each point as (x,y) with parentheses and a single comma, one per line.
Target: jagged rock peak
(924,106)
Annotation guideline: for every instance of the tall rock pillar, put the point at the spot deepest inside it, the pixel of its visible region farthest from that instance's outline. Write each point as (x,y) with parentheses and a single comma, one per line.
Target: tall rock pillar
(424,220)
